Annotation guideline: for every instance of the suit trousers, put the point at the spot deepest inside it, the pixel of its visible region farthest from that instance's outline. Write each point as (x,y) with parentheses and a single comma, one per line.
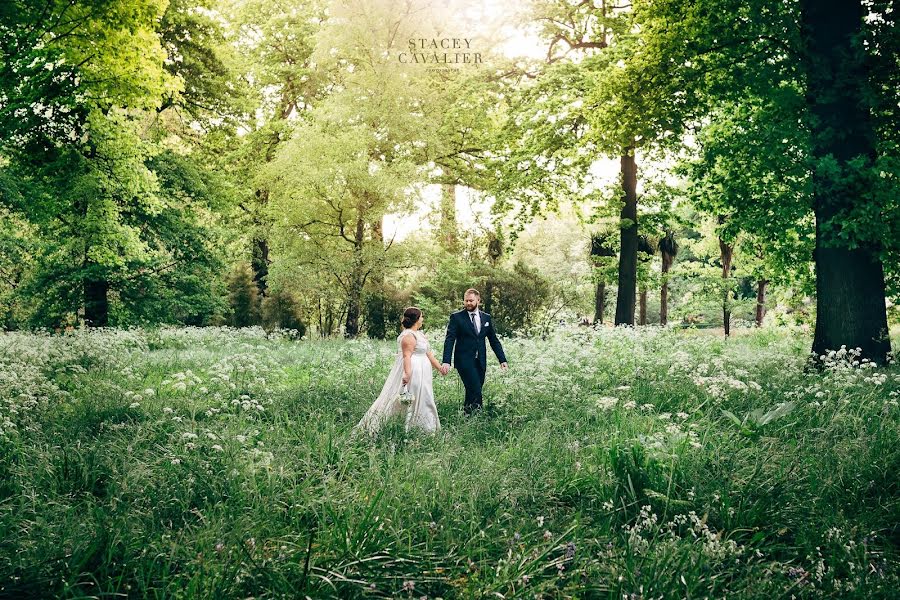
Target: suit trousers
(472,375)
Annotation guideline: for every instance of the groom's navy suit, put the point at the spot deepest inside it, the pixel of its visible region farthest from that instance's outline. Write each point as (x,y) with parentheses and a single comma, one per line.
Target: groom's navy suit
(470,353)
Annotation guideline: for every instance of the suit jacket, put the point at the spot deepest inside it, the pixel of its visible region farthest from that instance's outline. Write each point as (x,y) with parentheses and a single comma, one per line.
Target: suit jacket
(466,345)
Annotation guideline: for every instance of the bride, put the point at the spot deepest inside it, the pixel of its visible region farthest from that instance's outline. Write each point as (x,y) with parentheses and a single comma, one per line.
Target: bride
(412,372)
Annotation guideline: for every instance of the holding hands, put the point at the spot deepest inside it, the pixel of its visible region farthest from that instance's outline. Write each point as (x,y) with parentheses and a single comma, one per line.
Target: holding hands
(445,368)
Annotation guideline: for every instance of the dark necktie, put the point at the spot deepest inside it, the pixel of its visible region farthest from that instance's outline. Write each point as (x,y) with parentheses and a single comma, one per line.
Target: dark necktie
(472,316)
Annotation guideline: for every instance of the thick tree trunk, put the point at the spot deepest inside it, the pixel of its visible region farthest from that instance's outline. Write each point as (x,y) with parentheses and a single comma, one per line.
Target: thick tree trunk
(599,302)
(354,308)
(761,301)
(850,288)
(642,312)
(726,254)
(96,302)
(447,233)
(625,298)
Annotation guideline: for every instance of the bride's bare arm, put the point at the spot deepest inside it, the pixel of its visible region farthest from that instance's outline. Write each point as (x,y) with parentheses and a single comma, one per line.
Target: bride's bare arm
(433,361)
(407,345)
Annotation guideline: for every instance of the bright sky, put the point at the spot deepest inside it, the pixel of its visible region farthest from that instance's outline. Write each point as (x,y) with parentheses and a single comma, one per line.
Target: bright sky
(472,208)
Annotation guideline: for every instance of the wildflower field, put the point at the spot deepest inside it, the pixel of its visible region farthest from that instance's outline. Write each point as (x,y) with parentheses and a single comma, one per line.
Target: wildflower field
(219,463)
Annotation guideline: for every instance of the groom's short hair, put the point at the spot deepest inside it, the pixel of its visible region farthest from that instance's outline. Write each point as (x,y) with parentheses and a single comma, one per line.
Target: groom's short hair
(472,291)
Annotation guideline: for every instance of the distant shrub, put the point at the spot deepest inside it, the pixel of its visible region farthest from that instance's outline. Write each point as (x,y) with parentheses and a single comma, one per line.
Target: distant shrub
(243,297)
(281,310)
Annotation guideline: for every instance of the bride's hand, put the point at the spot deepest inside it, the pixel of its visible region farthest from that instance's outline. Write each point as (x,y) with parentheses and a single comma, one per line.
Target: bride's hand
(405,380)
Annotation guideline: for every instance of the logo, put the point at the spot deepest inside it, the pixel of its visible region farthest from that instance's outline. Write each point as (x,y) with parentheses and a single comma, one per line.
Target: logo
(445,53)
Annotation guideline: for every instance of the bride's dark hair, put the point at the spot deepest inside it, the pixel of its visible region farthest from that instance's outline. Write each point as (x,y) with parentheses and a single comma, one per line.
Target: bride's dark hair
(410,317)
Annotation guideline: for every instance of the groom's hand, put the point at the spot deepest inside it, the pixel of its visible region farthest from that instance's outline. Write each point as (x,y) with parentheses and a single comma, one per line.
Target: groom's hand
(445,368)
(504,366)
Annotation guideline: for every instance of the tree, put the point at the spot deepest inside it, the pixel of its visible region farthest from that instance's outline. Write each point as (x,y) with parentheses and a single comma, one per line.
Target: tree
(668,248)
(363,149)
(646,250)
(274,43)
(726,256)
(17,249)
(597,96)
(118,218)
(494,253)
(628,244)
(850,288)
(327,192)
(61,59)
(807,63)
(448,236)
(67,69)
(602,253)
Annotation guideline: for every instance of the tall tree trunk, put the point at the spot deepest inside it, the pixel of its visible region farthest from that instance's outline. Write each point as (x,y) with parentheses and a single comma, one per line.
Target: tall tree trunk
(376,325)
(668,247)
(357,281)
(599,302)
(447,233)
(329,321)
(850,288)
(96,302)
(260,263)
(625,298)
(726,253)
(664,289)
(259,250)
(642,312)
(761,301)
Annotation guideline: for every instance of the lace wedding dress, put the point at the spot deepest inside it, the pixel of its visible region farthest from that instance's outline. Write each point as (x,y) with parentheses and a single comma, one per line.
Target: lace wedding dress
(421,413)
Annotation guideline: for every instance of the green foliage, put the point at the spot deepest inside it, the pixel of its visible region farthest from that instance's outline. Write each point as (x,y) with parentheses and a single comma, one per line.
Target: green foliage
(147,144)
(61,60)
(519,294)
(109,199)
(17,248)
(385,304)
(194,36)
(747,171)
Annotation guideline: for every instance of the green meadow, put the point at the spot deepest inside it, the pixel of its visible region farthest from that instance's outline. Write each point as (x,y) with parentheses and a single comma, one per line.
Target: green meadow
(654,463)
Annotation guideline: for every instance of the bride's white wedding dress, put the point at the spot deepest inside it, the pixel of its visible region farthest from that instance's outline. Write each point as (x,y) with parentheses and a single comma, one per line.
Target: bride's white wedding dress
(421,413)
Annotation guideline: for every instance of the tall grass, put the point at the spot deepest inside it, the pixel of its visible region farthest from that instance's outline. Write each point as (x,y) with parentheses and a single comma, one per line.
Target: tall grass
(218,463)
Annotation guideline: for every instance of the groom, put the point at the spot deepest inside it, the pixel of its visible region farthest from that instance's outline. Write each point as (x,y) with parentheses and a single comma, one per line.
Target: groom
(467,329)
